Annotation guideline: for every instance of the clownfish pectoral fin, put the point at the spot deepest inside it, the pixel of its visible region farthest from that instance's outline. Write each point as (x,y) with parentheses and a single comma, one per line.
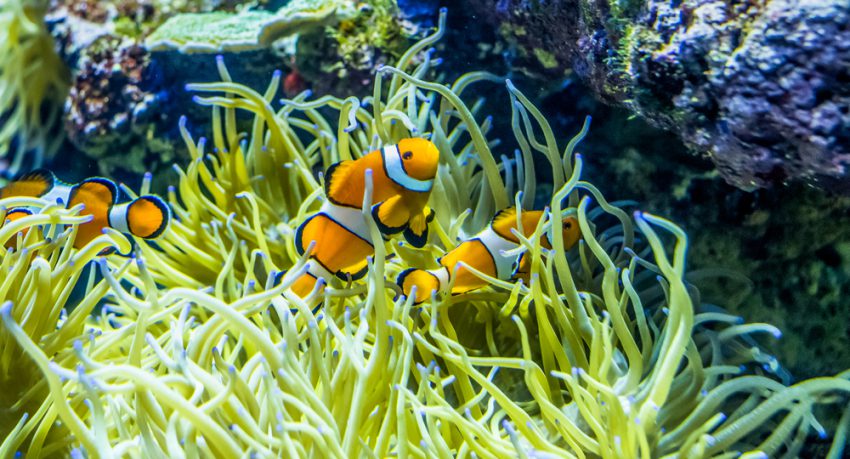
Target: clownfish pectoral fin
(424,281)
(391,215)
(416,232)
(335,179)
(304,285)
(522,267)
(32,184)
(301,287)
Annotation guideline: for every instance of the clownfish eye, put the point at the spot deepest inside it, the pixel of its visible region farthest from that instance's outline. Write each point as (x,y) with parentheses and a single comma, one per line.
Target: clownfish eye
(568,225)
(407,155)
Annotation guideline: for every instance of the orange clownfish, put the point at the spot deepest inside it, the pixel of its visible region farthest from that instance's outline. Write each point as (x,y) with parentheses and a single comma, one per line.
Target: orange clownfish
(145,217)
(402,179)
(485,253)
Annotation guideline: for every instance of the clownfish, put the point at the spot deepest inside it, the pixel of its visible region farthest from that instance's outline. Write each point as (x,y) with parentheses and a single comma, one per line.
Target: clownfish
(146,217)
(485,253)
(402,178)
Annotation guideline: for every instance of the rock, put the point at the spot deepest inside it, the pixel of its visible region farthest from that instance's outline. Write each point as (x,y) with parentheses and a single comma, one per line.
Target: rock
(759,87)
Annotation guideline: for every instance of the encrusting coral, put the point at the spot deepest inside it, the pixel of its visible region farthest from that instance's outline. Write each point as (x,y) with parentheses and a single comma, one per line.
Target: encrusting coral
(33,84)
(200,350)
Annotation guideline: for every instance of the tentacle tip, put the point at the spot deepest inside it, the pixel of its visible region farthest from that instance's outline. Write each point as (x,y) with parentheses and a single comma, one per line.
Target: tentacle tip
(6,309)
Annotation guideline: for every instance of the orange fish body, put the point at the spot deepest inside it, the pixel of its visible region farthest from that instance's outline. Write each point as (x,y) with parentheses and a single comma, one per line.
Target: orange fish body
(12,215)
(483,252)
(145,217)
(402,179)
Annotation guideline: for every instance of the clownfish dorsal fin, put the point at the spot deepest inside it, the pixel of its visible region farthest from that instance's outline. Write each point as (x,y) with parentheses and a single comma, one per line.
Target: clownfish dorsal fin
(504,221)
(336,178)
(391,215)
(95,191)
(147,216)
(35,184)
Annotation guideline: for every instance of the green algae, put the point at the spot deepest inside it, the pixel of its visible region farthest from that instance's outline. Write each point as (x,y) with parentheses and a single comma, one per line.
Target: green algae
(211,32)
(219,31)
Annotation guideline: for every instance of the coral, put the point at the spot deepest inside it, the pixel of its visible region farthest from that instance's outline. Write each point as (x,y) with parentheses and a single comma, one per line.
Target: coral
(759,87)
(201,350)
(109,111)
(209,32)
(34,84)
(222,31)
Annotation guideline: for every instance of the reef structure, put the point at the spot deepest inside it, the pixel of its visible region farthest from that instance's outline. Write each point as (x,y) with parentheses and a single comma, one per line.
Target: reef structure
(759,87)
(132,60)
(201,349)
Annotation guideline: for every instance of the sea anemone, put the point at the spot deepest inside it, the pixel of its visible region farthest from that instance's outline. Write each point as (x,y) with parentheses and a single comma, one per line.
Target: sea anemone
(34,83)
(201,350)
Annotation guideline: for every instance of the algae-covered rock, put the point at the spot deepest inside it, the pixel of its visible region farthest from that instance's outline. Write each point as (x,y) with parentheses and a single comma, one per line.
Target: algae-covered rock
(221,31)
(215,31)
(132,60)
(759,87)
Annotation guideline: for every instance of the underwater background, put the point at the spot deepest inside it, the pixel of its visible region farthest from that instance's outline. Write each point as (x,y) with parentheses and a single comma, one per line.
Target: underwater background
(727,123)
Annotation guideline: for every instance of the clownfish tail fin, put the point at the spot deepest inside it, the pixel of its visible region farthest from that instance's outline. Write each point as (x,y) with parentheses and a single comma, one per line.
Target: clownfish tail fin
(424,281)
(417,240)
(36,183)
(335,178)
(147,216)
(416,232)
